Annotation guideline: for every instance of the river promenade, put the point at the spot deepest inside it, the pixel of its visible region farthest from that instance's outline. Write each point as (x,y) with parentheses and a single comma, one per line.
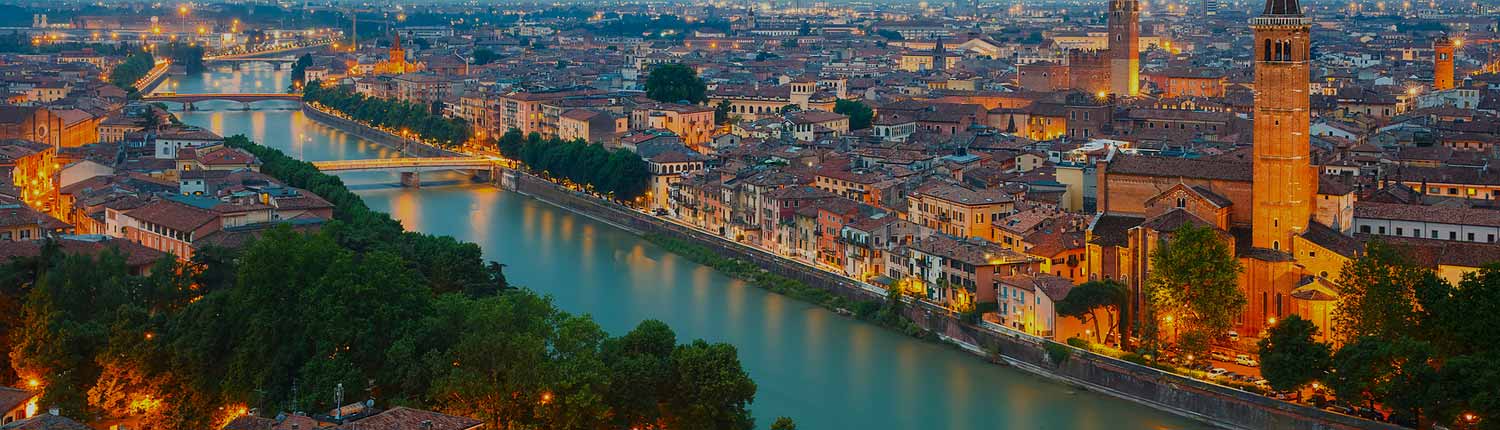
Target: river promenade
(1210,403)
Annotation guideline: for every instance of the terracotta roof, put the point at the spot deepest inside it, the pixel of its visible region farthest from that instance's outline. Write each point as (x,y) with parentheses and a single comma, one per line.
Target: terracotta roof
(1332,240)
(1145,165)
(1433,214)
(46,422)
(174,215)
(1055,287)
(1113,230)
(11,398)
(403,418)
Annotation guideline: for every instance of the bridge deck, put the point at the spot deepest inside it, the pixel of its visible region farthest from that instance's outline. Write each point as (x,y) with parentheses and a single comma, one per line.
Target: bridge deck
(407,164)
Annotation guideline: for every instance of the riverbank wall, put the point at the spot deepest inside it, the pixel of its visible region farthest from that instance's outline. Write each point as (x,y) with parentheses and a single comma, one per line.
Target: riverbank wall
(1214,404)
(408,147)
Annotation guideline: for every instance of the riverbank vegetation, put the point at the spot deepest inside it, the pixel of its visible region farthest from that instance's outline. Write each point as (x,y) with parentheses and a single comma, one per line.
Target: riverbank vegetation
(425,121)
(283,322)
(887,313)
(135,67)
(1408,341)
(619,173)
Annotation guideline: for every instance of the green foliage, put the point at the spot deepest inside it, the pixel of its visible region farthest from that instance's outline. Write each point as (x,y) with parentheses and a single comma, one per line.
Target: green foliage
(283,322)
(484,56)
(1290,357)
(446,265)
(391,114)
(1085,302)
(890,34)
(784,423)
(1057,353)
(618,172)
(187,55)
(860,115)
(1378,295)
(299,68)
(135,67)
(674,83)
(1194,280)
(722,112)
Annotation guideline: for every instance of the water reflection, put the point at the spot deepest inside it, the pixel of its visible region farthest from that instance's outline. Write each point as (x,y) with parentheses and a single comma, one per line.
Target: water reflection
(826,371)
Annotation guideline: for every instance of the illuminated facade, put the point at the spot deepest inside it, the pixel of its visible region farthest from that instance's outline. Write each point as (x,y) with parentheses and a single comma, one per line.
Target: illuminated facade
(1124,47)
(1442,63)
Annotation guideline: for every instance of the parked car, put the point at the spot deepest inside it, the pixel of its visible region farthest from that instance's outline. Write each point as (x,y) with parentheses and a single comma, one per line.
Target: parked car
(1262,383)
(660,212)
(1218,355)
(1233,336)
(1245,360)
(1217,372)
(1341,409)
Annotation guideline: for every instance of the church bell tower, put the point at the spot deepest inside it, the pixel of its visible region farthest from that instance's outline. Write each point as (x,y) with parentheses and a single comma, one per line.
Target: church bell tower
(1285,183)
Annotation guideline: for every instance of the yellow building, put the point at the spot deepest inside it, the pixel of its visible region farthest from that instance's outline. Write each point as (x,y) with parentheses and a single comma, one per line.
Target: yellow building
(957,210)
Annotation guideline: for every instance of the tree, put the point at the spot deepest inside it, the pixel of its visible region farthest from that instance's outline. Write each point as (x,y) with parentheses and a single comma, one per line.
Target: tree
(1377,295)
(1084,302)
(484,56)
(674,82)
(722,111)
(784,423)
(1290,357)
(299,68)
(709,388)
(860,114)
(1193,280)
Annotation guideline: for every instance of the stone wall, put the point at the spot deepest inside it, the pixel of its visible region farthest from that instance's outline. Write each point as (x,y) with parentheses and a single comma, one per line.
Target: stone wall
(1215,404)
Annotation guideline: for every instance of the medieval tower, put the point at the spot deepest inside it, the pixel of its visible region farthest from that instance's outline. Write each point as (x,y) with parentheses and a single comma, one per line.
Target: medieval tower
(1442,63)
(1285,183)
(1124,47)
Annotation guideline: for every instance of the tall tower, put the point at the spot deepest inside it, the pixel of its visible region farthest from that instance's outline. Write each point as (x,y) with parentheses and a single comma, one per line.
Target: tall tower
(398,55)
(939,56)
(1442,63)
(1124,47)
(1285,183)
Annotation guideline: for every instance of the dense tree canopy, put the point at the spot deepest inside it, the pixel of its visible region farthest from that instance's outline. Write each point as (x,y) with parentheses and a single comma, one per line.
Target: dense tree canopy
(280,324)
(618,172)
(860,115)
(135,67)
(391,114)
(299,68)
(673,83)
(1290,357)
(1194,280)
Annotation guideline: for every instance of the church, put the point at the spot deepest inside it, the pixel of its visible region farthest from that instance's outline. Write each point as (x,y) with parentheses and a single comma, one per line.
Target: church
(1289,227)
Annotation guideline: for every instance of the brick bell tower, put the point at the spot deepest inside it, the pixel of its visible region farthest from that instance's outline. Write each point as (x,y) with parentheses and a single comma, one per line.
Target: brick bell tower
(1125,48)
(1285,183)
(1442,63)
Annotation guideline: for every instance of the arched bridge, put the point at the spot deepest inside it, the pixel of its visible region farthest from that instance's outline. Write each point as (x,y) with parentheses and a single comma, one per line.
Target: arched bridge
(412,166)
(233,97)
(245,99)
(408,164)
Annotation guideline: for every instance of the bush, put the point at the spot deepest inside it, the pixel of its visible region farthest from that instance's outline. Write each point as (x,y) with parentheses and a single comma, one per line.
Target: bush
(1079,343)
(1057,353)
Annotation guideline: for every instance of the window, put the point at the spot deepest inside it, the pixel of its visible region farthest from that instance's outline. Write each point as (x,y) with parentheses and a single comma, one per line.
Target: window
(1398,232)
(1276,245)
(1434,234)
(1364,229)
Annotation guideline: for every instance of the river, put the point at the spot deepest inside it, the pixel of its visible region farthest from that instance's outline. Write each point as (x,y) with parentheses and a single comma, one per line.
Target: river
(824,370)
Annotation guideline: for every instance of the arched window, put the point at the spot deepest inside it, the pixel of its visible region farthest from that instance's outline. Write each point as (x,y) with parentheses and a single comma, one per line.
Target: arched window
(1181,202)
(1276,245)
(1268,50)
